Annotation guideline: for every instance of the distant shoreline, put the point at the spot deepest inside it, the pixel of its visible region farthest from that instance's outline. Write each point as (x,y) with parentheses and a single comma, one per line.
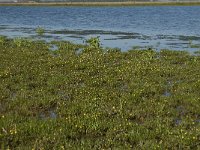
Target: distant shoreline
(128,3)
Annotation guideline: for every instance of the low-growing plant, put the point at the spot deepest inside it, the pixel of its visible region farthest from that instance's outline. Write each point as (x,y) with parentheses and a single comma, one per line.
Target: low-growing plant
(2,39)
(93,42)
(87,97)
(40,31)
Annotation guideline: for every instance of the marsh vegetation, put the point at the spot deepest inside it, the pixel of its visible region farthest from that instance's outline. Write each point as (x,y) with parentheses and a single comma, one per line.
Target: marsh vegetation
(89,97)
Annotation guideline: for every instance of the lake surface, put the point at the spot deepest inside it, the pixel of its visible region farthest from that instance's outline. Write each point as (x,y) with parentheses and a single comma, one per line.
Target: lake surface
(160,27)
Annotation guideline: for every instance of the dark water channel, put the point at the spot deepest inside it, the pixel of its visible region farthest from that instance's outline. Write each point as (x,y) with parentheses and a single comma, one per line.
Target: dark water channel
(161,27)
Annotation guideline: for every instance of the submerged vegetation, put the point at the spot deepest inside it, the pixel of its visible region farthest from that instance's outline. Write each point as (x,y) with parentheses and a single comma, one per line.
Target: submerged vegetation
(87,97)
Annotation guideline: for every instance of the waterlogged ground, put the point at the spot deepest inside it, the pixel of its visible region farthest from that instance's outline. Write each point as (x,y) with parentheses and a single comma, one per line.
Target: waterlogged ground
(114,39)
(86,97)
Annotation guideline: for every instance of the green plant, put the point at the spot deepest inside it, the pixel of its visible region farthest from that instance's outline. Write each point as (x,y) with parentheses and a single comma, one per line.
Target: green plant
(93,42)
(2,39)
(40,31)
(97,99)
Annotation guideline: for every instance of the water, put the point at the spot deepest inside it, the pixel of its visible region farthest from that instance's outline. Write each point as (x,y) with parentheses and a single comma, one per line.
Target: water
(161,27)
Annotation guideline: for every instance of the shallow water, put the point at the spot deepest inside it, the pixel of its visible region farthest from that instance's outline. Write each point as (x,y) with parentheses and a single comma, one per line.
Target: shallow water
(161,27)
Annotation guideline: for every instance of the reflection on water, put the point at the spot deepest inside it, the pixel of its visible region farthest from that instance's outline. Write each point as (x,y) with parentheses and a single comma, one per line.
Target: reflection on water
(48,115)
(123,27)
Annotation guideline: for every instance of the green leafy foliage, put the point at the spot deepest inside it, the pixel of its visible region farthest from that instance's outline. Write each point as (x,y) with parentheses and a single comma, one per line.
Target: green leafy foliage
(94,42)
(86,97)
(40,31)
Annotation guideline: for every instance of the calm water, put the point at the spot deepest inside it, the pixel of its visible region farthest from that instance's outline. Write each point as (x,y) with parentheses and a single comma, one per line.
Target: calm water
(124,27)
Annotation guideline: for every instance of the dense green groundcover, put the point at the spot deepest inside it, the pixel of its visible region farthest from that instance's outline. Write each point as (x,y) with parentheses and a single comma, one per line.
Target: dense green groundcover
(87,97)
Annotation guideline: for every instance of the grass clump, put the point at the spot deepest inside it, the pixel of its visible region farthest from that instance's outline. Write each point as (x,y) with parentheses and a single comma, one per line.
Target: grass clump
(87,97)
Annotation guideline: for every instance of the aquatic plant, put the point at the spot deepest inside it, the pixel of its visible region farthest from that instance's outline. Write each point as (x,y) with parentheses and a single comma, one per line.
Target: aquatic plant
(2,39)
(87,97)
(40,31)
(94,42)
